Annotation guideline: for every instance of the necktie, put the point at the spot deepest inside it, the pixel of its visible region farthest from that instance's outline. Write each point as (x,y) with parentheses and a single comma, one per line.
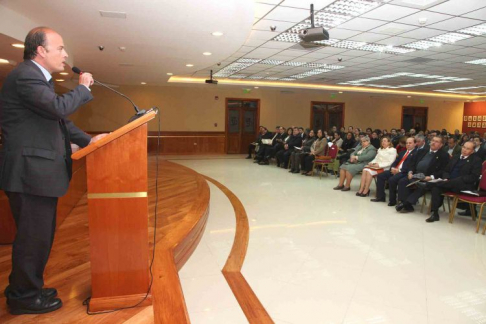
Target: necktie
(399,166)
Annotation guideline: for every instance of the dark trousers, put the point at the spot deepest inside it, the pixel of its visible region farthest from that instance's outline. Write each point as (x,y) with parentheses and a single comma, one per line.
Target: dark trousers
(410,194)
(308,162)
(296,160)
(35,218)
(262,151)
(437,189)
(283,157)
(392,185)
(251,148)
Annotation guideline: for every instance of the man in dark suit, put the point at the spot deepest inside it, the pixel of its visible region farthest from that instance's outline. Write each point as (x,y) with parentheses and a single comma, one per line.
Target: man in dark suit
(452,148)
(35,162)
(478,149)
(461,173)
(430,166)
(266,135)
(398,170)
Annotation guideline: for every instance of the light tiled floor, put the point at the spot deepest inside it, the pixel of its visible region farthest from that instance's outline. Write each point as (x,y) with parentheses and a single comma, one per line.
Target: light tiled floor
(320,256)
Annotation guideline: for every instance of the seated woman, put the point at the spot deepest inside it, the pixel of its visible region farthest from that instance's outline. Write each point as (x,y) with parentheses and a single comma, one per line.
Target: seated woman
(298,154)
(402,142)
(337,140)
(375,140)
(317,148)
(382,161)
(356,163)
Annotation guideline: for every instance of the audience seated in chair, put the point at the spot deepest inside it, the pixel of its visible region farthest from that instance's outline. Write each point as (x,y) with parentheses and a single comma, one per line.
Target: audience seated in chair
(283,156)
(461,173)
(356,163)
(300,153)
(383,160)
(316,149)
(429,167)
(398,170)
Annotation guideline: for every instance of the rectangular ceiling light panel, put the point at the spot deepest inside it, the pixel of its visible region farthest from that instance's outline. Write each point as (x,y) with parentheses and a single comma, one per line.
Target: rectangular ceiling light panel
(449,38)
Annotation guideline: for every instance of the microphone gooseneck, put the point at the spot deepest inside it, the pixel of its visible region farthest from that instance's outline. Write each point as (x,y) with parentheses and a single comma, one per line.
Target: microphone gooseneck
(139,112)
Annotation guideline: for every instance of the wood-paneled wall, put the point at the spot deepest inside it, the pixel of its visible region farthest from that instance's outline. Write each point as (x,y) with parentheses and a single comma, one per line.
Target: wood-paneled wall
(185,143)
(188,142)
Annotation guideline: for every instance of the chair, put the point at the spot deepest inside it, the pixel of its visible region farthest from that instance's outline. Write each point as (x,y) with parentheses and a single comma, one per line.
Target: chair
(472,201)
(325,160)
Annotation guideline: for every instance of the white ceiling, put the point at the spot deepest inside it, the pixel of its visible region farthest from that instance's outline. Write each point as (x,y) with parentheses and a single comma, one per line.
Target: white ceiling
(391,23)
(162,36)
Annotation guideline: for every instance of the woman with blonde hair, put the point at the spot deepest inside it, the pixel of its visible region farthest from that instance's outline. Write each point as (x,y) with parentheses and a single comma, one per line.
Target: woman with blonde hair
(382,161)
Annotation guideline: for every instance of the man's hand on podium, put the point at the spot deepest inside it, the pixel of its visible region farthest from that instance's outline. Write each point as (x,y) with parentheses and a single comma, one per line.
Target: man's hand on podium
(97,138)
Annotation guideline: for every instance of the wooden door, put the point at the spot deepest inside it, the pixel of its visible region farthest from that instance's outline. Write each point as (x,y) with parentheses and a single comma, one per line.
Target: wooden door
(242,117)
(413,115)
(325,115)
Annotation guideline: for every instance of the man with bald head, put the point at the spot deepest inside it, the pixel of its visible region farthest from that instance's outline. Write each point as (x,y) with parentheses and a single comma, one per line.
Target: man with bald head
(461,173)
(35,162)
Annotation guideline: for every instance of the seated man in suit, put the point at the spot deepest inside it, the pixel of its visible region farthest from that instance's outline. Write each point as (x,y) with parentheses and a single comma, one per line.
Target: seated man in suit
(269,150)
(398,170)
(429,166)
(478,149)
(452,148)
(265,135)
(461,173)
(252,146)
(284,155)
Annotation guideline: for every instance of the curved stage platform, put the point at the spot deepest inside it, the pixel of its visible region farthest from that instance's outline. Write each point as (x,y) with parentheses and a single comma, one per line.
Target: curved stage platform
(182,214)
(183,210)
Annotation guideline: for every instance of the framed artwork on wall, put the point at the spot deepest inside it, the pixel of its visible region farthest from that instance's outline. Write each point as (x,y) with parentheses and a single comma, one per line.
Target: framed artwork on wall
(480,118)
(475,118)
(484,125)
(469,118)
(473,124)
(469,123)
(465,118)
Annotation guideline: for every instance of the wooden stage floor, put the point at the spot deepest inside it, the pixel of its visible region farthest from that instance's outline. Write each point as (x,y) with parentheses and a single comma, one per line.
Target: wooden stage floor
(68,268)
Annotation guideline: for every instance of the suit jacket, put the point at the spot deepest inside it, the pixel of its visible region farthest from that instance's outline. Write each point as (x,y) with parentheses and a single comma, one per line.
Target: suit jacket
(407,163)
(36,158)
(481,153)
(294,141)
(456,151)
(436,166)
(468,174)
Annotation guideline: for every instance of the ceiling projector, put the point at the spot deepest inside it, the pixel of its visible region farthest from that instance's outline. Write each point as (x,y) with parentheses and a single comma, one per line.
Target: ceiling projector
(211,80)
(314,34)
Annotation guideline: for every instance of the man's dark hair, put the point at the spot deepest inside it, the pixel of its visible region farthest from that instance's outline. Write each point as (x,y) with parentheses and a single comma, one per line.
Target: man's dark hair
(35,38)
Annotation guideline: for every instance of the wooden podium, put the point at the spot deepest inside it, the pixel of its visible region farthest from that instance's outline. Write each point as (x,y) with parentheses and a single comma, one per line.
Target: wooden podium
(118,216)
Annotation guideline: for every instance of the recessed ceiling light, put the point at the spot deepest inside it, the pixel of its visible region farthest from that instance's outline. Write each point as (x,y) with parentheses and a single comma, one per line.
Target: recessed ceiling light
(217,34)
(18,45)
(449,38)
(256,87)
(207,53)
(340,92)
(59,80)
(3,61)
(422,20)
(170,73)
(143,82)
(189,65)
(409,96)
(64,73)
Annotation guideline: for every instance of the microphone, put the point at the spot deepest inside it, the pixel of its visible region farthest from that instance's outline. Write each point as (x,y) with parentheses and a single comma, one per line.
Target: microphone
(139,113)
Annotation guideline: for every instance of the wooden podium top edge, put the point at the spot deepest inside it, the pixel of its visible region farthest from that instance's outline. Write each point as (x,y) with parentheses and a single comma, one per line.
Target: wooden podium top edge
(114,135)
